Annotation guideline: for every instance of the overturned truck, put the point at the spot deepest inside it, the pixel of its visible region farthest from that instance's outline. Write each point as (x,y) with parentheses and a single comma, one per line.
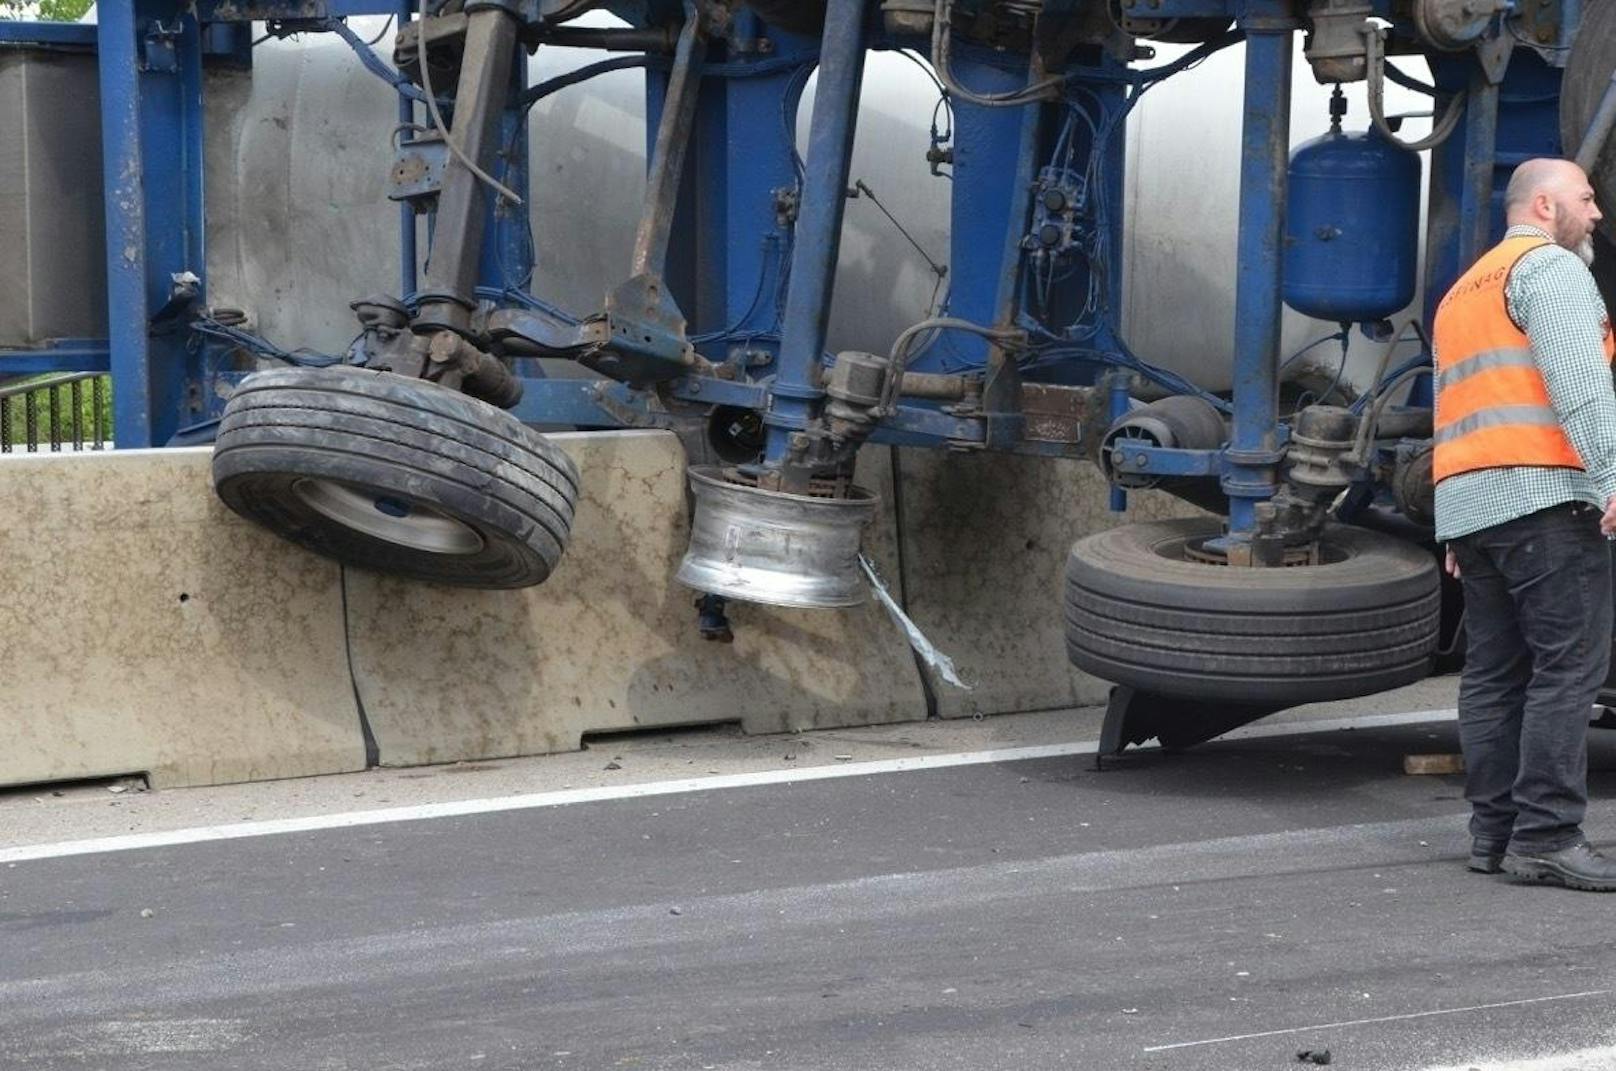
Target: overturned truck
(1302,569)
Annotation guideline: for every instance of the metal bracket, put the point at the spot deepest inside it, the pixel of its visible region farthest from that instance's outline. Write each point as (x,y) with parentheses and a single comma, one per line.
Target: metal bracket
(417,173)
(645,328)
(631,412)
(645,335)
(1005,423)
(529,333)
(159,47)
(1133,717)
(1542,23)
(445,41)
(1494,53)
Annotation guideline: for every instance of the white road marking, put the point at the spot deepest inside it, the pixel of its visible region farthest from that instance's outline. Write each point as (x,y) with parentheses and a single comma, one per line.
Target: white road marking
(565,797)
(1380,1019)
(1600,1059)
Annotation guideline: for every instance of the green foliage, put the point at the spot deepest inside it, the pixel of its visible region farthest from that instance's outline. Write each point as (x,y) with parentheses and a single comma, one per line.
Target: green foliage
(45,10)
(15,410)
(63,10)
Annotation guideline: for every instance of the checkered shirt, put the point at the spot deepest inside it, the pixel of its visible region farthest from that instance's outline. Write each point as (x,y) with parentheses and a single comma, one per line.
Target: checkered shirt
(1552,296)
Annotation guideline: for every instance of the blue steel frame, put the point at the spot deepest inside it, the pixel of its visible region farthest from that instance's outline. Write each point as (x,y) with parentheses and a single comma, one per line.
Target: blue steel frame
(752,281)
(151,129)
(1253,453)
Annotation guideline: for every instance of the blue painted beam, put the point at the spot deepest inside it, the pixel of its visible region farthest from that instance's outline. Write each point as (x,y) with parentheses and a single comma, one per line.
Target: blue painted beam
(89,357)
(797,392)
(255,10)
(1159,461)
(1480,168)
(993,170)
(926,427)
(603,404)
(578,401)
(1118,389)
(54,34)
(739,239)
(507,254)
(123,162)
(150,61)
(712,391)
(1253,451)
(1503,126)
(408,255)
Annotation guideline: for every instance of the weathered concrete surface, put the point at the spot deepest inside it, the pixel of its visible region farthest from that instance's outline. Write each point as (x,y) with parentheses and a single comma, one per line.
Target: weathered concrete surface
(610,641)
(641,759)
(150,630)
(985,540)
(246,678)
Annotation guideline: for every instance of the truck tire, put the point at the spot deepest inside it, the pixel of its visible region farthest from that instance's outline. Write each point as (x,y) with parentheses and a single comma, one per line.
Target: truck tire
(1140,613)
(396,475)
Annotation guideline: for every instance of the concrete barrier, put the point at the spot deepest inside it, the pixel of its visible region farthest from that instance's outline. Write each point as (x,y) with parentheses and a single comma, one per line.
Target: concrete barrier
(149,630)
(985,539)
(610,642)
(155,632)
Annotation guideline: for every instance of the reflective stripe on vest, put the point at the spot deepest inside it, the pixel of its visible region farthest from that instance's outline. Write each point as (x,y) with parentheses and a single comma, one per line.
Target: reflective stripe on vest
(1493,408)
(1486,362)
(1504,416)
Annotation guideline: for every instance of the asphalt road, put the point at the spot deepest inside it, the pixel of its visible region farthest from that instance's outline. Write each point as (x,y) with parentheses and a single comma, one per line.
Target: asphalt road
(1285,894)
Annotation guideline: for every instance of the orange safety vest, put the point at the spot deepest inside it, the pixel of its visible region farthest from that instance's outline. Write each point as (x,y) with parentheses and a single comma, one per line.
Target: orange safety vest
(1493,408)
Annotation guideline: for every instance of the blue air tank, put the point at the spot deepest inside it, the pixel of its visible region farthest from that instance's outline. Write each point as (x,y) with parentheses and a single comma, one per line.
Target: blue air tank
(1352,227)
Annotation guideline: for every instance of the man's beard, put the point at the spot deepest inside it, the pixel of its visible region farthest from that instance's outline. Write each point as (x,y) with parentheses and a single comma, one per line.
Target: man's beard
(1580,243)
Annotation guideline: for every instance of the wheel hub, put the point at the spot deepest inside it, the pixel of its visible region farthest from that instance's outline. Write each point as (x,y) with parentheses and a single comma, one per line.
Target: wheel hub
(1206,553)
(389,518)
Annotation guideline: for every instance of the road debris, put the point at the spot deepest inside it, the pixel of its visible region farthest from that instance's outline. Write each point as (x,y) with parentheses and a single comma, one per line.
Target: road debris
(1433,765)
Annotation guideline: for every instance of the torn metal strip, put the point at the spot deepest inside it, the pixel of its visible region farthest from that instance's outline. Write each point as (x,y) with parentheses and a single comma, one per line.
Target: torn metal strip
(934,658)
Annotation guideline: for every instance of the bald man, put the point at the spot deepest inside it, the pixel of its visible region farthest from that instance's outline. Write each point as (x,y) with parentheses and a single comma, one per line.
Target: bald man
(1525,471)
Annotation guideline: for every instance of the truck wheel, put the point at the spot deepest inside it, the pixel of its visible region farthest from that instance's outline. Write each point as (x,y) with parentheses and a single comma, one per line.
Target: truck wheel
(396,475)
(1144,610)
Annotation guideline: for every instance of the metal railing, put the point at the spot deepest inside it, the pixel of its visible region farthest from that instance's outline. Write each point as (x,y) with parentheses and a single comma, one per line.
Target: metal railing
(50,414)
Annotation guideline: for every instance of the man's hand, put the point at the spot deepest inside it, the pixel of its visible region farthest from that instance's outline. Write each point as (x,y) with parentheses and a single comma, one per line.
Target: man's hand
(1451,564)
(1607,523)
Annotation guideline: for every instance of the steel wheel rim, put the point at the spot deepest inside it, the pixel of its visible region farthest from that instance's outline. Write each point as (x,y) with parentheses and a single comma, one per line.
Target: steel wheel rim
(389,518)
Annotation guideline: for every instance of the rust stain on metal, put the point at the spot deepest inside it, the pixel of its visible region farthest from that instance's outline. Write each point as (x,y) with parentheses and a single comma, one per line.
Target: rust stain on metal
(1055,414)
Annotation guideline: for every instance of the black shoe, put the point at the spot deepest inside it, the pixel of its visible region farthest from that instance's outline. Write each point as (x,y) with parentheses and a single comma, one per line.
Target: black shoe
(1576,867)
(1486,856)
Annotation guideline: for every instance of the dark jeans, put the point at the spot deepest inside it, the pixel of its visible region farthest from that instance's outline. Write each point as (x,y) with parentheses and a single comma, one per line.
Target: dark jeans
(1538,633)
